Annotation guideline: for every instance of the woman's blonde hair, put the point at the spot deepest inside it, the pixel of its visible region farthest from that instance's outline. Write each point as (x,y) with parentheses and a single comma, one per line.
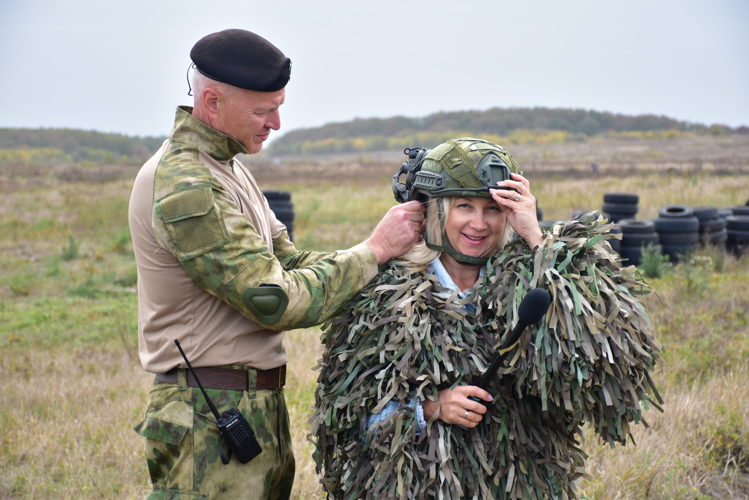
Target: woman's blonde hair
(419,257)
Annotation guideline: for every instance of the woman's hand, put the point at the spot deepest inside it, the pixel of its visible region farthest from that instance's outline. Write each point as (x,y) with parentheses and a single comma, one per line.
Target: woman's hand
(520,207)
(456,408)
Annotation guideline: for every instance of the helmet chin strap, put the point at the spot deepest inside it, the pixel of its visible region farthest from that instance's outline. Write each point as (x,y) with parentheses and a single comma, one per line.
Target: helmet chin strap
(460,258)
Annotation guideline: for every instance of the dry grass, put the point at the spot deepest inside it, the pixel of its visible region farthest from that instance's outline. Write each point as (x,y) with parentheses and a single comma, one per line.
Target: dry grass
(303,349)
(696,449)
(66,425)
(72,388)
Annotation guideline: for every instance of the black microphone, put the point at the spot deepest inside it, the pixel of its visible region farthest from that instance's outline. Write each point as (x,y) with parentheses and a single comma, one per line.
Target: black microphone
(532,308)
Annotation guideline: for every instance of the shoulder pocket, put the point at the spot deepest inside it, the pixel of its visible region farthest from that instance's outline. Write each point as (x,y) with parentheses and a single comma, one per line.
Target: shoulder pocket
(193,222)
(168,423)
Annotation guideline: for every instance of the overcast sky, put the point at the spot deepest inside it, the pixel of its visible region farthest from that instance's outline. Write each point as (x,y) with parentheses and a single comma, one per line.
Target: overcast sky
(120,66)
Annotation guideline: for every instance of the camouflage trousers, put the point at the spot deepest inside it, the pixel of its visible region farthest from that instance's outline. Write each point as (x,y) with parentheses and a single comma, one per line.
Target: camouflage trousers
(182,444)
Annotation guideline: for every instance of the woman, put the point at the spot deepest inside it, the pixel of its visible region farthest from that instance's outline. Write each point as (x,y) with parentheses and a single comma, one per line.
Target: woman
(394,418)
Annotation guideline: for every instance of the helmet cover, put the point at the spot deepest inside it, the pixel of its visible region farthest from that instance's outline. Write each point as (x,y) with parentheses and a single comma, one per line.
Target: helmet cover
(462,167)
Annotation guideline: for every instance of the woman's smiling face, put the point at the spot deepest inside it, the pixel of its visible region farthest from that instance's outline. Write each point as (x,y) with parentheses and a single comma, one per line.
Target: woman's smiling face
(475,225)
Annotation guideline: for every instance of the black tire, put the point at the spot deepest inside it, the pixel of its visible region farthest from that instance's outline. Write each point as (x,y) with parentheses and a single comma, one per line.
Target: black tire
(615,229)
(740,210)
(676,225)
(630,226)
(679,239)
(718,238)
(737,236)
(277,195)
(639,239)
(616,245)
(738,222)
(675,251)
(736,249)
(620,208)
(274,204)
(675,211)
(706,213)
(712,225)
(632,254)
(283,214)
(616,217)
(628,198)
(725,212)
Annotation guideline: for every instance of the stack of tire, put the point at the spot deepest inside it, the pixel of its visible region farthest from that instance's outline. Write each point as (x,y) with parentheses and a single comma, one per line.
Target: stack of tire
(280,203)
(618,206)
(678,230)
(712,226)
(738,234)
(636,235)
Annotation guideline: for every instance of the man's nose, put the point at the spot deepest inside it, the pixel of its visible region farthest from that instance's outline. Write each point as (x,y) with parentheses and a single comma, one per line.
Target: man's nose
(274,120)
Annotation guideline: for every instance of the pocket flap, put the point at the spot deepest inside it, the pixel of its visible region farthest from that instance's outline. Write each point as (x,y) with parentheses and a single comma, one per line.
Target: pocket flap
(181,205)
(168,423)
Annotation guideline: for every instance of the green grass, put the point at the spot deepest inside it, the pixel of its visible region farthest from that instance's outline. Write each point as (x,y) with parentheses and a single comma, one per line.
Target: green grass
(73,387)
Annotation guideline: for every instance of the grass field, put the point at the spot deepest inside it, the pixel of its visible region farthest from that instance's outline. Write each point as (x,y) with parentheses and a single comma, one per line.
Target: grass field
(72,387)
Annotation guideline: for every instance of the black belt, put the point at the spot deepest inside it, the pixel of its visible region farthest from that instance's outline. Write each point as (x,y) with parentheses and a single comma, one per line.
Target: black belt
(228,379)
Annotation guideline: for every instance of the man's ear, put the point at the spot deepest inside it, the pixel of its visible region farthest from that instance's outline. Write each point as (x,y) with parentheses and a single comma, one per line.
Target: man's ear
(209,99)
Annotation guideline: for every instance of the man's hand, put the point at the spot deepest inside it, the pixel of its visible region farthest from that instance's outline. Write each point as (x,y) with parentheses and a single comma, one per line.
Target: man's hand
(397,232)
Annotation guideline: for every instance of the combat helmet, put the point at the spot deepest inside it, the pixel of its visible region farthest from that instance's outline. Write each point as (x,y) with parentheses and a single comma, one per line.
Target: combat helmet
(459,167)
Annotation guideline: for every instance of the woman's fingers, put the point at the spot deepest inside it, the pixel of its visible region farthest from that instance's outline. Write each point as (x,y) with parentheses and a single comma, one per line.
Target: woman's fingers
(521,179)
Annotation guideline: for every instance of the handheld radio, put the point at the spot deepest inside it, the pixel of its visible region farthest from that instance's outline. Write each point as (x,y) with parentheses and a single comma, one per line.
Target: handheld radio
(232,426)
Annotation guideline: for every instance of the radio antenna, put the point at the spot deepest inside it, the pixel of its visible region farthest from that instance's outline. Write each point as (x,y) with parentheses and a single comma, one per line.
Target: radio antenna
(210,403)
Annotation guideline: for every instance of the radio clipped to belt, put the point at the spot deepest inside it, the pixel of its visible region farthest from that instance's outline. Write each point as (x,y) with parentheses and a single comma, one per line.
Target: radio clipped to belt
(232,426)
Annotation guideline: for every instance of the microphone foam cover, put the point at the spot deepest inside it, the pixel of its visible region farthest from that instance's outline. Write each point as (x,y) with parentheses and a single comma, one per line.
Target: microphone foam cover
(533,306)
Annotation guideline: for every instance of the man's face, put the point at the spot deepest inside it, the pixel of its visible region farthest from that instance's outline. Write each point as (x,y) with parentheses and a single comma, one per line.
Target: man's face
(249,116)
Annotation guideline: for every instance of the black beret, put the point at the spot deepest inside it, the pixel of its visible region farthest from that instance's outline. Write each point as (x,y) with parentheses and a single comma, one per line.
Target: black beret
(242,59)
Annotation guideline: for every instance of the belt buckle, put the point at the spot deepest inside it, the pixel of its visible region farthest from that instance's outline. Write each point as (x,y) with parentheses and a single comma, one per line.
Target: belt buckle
(282,376)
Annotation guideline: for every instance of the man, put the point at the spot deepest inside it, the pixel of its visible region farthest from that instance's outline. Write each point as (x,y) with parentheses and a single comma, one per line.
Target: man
(217,271)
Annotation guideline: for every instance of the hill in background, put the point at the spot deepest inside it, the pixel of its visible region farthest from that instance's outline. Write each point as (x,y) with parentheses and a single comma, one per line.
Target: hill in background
(48,146)
(502,126)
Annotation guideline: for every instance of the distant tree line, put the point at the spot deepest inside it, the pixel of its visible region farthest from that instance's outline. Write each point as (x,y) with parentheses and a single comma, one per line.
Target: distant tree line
(527,124)
(503,126)
(49,146)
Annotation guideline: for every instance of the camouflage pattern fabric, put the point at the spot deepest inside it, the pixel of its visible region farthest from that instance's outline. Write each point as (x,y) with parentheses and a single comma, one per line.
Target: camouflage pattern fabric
(182,444)
(201,225)
(589,360)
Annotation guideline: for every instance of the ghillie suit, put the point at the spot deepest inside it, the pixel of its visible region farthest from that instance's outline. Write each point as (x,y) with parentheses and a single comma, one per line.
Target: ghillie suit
(588,360)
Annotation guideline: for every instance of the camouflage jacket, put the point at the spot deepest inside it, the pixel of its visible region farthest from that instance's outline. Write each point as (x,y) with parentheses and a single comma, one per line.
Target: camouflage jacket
(208,214)
(589,359)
